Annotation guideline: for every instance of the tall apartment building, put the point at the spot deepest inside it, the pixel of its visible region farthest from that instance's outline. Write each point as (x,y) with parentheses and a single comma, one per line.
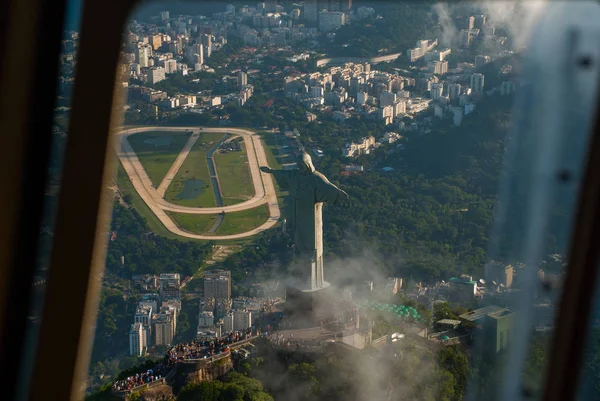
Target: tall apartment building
(311,10)
(242,79)
(170,66)
(387,98)
(440,67)
(163,329)
(228,323)
(195,54)
(137,339)
(143,313)
(270,6)
(217,284)
(454,91)
(156,74)
(477,82)
(169,284)
(142,55)
(156,41)
(436,91)
(331,20)
(151,299)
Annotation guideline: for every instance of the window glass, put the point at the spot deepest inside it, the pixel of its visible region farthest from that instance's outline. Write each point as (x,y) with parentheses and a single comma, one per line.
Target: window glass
(428,262)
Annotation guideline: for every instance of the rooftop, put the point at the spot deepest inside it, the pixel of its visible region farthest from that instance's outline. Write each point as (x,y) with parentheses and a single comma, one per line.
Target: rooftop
(462,280)
(491,310)
(452,322)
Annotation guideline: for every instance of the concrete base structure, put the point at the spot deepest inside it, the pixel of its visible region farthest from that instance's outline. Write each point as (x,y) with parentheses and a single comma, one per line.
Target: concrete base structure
(309,307)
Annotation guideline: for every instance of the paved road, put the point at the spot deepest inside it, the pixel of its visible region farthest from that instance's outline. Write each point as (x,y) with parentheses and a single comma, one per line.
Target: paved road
(263,183)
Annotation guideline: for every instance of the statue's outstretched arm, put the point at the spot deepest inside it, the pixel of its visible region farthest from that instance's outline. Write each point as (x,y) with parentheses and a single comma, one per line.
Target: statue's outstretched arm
(281,176)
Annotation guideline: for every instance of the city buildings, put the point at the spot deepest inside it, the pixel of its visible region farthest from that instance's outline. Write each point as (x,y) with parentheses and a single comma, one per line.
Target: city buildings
(311,10)
(170,66)
(463,289)
(242,319)
(137,340)
(354,149)
(169,282)
(331,20)
(436,91)
(499,273)
(142,55)
(477,82)
(156,74)
(217,284)
(439,67)
(228,322)
(242,79)
(454,91)
(163,329)
(497,326)
(143,313)
(206,319)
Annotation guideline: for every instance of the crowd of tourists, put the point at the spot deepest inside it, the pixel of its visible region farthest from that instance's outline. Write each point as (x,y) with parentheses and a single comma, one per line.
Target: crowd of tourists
(140,379)
(206,346)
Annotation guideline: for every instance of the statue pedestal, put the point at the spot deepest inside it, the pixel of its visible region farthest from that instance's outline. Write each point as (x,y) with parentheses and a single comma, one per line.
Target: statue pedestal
(308,308)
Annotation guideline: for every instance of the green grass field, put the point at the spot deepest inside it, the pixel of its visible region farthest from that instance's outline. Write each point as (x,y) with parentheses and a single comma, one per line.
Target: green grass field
(233,223)
(246,220)
(234,176)
(157,150)
(140,206)
(193,223)
(195,168)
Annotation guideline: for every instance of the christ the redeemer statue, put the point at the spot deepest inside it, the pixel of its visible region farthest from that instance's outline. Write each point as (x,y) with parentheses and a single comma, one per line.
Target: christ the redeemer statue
(309,189)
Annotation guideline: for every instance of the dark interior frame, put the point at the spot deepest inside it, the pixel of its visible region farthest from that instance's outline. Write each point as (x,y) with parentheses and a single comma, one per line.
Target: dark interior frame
(73,285)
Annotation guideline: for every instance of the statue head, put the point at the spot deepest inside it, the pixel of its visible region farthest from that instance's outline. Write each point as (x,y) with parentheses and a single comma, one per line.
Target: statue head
(305,164)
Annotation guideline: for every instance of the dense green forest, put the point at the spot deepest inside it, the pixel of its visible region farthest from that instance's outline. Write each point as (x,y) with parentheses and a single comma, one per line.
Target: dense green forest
(144,252)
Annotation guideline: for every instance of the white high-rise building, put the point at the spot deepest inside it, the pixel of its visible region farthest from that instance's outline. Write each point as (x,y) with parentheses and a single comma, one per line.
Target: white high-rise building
(436,91)
(164,16)
(156,74)
(142,55)
(170,66)
(242,79)
(454,91)
(137,339)
(195,54)
(163,329)
(440,67)
(387,98)
(477,81)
